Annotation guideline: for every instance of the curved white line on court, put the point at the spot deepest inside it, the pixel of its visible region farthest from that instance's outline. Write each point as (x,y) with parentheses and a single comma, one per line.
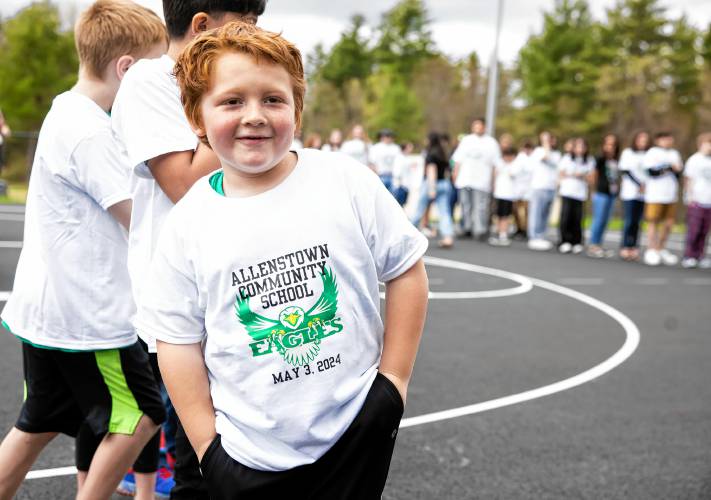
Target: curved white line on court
(630,345)
(627,349)
(525,284)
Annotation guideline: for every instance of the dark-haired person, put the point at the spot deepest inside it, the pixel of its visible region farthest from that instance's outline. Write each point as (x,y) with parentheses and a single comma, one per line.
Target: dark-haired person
(166,159)
(632,193)
(663,165)
(383,155)
(606,182)
(507,168)
(574,169)
(436,188)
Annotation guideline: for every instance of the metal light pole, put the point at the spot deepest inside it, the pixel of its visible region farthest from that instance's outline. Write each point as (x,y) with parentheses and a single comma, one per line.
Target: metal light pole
(491,98)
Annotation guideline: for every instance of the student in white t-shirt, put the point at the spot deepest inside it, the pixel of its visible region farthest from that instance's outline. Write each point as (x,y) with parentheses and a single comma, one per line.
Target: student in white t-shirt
(357,146)
(544,179)
(383,156)
(507,169)
(407,173)
(166,159)
(71,304)
(662,165)
(335,140)
(632,193)
(574,170)
(474,161)
(522,185)
(697,184)
(263,291)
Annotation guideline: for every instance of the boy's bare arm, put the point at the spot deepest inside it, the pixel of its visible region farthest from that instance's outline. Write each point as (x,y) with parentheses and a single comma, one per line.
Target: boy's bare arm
(405,312)
(185,376)
(176,172)
(121,211)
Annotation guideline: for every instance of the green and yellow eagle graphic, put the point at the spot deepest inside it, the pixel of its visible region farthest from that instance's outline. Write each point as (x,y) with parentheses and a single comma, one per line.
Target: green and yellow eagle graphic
(307,327)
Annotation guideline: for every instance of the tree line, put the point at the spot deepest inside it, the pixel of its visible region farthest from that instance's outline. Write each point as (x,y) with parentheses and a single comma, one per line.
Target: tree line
(636,68)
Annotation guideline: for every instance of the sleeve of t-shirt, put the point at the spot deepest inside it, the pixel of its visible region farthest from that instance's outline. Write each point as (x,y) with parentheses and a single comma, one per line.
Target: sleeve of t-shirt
(626,160)
(690,167)
(153,123)
(169,307)
(460,152)
(100,170)
(395,244)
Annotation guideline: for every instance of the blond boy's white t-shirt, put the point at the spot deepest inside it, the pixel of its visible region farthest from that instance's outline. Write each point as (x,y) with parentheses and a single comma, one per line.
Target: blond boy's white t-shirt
(282,288)
(149,121)
(663,188)
(71,287)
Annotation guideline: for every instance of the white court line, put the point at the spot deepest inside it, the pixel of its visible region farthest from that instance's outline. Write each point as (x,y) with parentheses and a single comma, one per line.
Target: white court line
(12,217)
(629,346)
(10,244)
(581,281)
(697,281)
(651,281)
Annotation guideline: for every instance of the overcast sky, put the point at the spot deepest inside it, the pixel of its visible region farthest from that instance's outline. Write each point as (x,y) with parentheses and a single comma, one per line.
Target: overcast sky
(459,26)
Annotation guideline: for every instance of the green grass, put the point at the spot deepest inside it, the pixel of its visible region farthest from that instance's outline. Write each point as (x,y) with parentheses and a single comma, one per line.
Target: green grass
(16,194)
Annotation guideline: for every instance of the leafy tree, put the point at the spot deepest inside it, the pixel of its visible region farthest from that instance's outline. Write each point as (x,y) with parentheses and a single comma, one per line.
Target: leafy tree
(37,62)
(394,105)
(405,39)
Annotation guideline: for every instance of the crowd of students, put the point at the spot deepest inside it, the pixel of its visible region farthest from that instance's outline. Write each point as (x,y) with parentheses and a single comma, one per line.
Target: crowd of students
(493,181)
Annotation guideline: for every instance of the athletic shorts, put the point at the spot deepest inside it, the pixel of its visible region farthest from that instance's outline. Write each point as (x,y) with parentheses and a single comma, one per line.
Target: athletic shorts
(109,390)
(658,212)
(355,468)
(504,208)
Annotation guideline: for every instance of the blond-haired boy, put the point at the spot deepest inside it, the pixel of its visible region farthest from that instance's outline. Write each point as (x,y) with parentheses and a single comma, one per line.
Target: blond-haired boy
(273,262)
(71,303)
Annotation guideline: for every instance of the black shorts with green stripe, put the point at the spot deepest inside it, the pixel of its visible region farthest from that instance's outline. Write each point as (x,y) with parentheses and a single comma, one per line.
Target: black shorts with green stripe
(110,390)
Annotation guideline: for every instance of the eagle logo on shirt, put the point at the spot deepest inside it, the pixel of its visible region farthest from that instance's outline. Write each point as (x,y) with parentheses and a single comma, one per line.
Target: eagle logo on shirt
(296,334)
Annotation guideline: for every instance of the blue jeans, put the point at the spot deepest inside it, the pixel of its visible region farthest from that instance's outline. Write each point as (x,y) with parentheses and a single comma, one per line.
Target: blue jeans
(442,200)
(539,209)
(387,180)
(634,209)
(602,205)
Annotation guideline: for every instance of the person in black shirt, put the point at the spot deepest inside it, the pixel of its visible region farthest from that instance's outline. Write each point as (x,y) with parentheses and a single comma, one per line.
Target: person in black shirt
(606,183)
(436,187)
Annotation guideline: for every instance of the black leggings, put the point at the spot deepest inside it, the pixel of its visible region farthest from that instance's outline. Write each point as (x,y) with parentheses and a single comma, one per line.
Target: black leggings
(571,221)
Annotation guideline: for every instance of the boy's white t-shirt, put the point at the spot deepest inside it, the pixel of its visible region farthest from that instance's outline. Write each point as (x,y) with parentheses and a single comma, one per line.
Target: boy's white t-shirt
(632,162)
(309,253)
(698,171)
(544,168)
(477,156)
(664,188)
(72,288)
(384,156)
(357,149)
(504,184)
(149,121)
(572,187)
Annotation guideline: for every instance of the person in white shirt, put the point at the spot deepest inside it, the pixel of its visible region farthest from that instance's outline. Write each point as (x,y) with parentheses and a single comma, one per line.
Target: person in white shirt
(574,170)
(632,193)
(335,140)
(544,179)
(263,291)
(474,161)
(384,155)
(407,173)
(662,164)
(357,147)
(507,169)
(697,185)
(522,185)
(71,303)
(166,159)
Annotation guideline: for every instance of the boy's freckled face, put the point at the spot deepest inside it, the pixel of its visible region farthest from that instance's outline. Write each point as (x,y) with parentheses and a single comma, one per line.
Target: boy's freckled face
(248,113)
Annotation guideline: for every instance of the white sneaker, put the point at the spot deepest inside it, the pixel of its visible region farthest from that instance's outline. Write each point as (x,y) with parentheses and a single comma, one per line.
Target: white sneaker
(578,249)
(540,245)
(668,258)
(705,263)
(504,240)
(494,241)
(689,263)
(565,247)
(652,257)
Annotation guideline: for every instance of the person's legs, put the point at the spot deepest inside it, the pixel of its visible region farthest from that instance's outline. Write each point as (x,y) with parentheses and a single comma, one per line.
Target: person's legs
(693,231)
(422,205)
(534,213)
(482,203)
(466,199)
(627,224)
(387,180)
(576,222)
(446,228)
(667,224)
(189,482)
(599,211)
(566,219)
(546,203)
(18,452)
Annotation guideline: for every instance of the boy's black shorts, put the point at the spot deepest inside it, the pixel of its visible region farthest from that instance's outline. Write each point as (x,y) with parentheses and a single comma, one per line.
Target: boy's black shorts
(110,390)
(504,208)
(355,468)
